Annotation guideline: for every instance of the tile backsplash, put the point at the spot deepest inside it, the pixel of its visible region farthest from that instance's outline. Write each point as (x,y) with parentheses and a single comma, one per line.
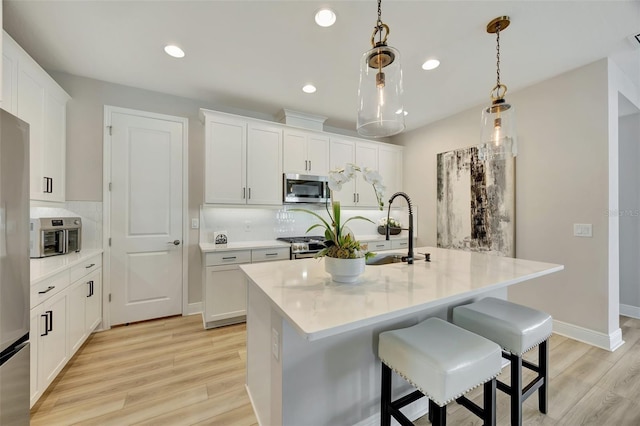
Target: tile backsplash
(260,224)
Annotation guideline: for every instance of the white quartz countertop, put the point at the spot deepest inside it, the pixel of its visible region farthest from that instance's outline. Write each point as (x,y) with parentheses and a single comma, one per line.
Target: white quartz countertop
(243,245)
(317,307)
(48,266)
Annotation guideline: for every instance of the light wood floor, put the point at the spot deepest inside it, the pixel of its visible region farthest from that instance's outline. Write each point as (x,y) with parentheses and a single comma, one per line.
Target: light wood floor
(172,372)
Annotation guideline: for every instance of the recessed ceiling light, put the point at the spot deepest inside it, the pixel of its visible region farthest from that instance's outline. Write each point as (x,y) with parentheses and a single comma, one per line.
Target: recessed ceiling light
(173,50)
(309,88)
(431,64)
(325,17)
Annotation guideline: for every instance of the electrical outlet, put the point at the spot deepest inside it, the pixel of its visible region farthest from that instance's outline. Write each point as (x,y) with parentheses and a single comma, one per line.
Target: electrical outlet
(583,230)
(195,223)
(247,226)
(275,344)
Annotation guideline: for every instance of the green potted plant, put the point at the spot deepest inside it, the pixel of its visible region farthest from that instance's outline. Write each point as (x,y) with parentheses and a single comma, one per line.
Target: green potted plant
(344,255)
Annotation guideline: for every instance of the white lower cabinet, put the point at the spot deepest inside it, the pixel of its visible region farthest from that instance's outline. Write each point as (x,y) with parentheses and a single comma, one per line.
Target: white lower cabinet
(224,293)
(52,338)
(65,309)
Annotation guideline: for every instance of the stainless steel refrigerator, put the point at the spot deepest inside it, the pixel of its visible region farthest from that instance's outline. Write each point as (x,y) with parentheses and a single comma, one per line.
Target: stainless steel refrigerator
(14,270)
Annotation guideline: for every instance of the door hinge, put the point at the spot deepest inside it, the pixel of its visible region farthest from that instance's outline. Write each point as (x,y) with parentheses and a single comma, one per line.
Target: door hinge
(109,297)
(109,241)
(110,130)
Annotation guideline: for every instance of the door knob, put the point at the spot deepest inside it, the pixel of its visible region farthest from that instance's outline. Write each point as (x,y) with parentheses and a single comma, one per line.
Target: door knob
(174,242)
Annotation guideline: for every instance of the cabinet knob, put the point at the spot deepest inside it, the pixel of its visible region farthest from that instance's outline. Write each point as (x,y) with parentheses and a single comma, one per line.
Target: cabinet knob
(174,242)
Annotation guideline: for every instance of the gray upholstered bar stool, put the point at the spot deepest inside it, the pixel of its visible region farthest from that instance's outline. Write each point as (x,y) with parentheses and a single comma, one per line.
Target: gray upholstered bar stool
(516,329)
(443,362)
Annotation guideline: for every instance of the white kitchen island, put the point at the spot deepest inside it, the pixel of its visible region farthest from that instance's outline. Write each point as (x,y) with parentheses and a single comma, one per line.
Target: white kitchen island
(312,343)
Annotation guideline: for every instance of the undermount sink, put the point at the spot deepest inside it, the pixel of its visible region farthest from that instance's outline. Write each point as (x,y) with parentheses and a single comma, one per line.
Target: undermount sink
(384,259)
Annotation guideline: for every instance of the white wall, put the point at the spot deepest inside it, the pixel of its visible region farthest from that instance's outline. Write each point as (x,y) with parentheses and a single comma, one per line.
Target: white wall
(561,179)
(629,213)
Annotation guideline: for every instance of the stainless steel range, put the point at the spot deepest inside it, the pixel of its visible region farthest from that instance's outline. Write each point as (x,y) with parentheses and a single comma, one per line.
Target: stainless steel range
(304,247)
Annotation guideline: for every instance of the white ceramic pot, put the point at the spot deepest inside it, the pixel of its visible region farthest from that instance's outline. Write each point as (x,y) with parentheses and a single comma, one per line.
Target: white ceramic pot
(344,270)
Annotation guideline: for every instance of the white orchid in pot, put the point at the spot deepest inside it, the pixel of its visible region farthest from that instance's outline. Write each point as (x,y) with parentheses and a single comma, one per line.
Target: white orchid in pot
(340,241)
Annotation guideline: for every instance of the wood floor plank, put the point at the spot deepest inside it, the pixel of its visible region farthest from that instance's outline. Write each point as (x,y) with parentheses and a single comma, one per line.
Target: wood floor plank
(173,372)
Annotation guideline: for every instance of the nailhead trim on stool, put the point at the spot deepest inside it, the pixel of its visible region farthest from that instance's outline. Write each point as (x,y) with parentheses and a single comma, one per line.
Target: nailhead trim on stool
(443,362)
(517,329)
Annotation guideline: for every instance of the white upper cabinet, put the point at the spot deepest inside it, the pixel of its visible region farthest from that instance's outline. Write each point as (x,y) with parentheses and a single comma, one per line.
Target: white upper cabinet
(32,95)
(383,157)
(243,160)
(225,160)
(343,151)
(305,152)
(264,164)
(390,168)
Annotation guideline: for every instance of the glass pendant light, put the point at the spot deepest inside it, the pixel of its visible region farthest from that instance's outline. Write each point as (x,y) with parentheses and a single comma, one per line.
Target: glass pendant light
(498,119)
(380,108)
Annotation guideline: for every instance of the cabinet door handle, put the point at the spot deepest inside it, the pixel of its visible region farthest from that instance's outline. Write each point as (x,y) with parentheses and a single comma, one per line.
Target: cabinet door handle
(51,186)
(244,193)
(271,254)
(90,266)
(51,287)
(354,197)
(306,165)
(309,165)
(50,327)
(358,200)
(229,258)
(46,324)
(249,193)
(45,186)
(379,245)
(90,284)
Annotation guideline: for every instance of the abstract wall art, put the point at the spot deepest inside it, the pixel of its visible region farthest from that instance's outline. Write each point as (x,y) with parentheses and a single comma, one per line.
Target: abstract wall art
(476,202)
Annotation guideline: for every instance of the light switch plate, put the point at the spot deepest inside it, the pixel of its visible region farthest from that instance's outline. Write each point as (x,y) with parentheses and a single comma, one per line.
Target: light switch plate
(195,223)
(583,230)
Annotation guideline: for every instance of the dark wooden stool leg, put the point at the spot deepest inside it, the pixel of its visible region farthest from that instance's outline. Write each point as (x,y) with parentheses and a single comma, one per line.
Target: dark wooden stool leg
(543,364)
(489,407)
(432,409)
(385,397)
(516,389)
(439,415)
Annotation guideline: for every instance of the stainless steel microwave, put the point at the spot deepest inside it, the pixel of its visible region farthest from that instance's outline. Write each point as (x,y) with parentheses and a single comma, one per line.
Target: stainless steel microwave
(50,236)
(305,189)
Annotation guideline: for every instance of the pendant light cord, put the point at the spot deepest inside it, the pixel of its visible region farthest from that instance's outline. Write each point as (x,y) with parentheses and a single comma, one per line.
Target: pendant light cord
(379,23)
(498,56)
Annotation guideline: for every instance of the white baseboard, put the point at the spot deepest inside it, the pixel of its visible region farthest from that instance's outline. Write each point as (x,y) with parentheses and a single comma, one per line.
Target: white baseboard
(609,342)
(630,311)
(413,412)
(194,308)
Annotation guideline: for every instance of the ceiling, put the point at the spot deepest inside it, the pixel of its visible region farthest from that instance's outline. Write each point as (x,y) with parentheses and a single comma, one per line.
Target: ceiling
(257,55)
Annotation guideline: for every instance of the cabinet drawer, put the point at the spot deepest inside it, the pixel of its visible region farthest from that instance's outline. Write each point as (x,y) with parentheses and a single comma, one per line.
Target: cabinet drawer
(86,267)
(49,287)
(397,244)
(379,245)
(228,257)
(265,255)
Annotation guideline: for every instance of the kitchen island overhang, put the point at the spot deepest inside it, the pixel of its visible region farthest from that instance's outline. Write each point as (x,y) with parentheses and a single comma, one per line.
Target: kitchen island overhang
(312,343)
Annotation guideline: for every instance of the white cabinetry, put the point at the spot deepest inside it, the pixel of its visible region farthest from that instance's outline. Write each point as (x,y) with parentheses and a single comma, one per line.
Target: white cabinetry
(306,153)
(364,154)
(49,334)
(390,168)
(65,309)
(225,286)
(36,98)
(383,157)
(243,160)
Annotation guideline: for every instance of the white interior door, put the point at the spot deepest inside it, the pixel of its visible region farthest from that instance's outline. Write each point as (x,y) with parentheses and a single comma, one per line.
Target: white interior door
(145,266)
